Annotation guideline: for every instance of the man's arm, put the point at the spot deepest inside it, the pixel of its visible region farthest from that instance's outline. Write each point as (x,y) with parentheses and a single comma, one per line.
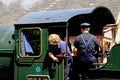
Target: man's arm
(61,55)
(53,57)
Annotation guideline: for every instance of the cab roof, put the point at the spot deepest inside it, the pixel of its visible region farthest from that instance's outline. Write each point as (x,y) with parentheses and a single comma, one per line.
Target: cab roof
(56,16)
(51,16)
(98,17)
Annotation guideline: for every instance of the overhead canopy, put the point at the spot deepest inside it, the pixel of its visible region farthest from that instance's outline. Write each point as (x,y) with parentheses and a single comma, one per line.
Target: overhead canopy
(97,17)
(59,15)
(51,16)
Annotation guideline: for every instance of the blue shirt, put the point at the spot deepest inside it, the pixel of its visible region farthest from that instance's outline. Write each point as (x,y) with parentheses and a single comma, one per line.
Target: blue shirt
(60,48)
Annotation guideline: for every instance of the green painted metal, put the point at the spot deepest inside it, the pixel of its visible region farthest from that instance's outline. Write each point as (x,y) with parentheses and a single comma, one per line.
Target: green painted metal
(27,67)
(7,43)
(5,61)
(113,63)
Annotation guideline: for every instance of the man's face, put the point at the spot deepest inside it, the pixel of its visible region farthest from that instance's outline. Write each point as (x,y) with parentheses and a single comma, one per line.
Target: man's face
(82,30)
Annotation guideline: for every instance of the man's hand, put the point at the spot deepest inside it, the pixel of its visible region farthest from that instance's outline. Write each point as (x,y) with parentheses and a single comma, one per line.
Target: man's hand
(55,59)
(74,53)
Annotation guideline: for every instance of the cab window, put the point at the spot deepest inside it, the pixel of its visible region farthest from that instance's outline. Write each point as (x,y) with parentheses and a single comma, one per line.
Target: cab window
(30,42)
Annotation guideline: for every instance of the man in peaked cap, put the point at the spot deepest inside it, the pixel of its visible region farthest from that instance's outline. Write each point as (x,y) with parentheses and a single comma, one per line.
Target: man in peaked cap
(85,25)
(86,45)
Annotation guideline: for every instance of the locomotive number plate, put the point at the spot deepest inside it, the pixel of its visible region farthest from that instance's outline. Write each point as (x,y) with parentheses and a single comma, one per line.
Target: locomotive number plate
(38,77)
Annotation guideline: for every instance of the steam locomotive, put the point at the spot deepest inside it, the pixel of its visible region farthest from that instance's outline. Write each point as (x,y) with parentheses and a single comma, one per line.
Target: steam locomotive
(23,47)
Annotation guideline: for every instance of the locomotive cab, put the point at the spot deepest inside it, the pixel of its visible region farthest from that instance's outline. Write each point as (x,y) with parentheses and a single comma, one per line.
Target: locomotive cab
(31,40)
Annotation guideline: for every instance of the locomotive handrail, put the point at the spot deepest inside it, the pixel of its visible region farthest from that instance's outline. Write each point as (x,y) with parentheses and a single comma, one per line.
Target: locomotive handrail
(97,65)
(6,50)
(27,61)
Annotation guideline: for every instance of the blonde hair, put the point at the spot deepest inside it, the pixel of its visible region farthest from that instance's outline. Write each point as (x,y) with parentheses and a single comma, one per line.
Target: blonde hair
(54,38)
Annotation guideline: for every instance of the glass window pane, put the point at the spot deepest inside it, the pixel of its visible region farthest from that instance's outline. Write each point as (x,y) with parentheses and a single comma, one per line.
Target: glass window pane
(30,42)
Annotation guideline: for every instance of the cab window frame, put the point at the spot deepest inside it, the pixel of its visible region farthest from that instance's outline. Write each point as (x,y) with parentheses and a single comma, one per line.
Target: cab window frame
(40,42)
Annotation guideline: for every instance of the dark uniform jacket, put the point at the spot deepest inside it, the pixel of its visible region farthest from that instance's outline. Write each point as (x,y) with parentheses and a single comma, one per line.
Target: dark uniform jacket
(91,47)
